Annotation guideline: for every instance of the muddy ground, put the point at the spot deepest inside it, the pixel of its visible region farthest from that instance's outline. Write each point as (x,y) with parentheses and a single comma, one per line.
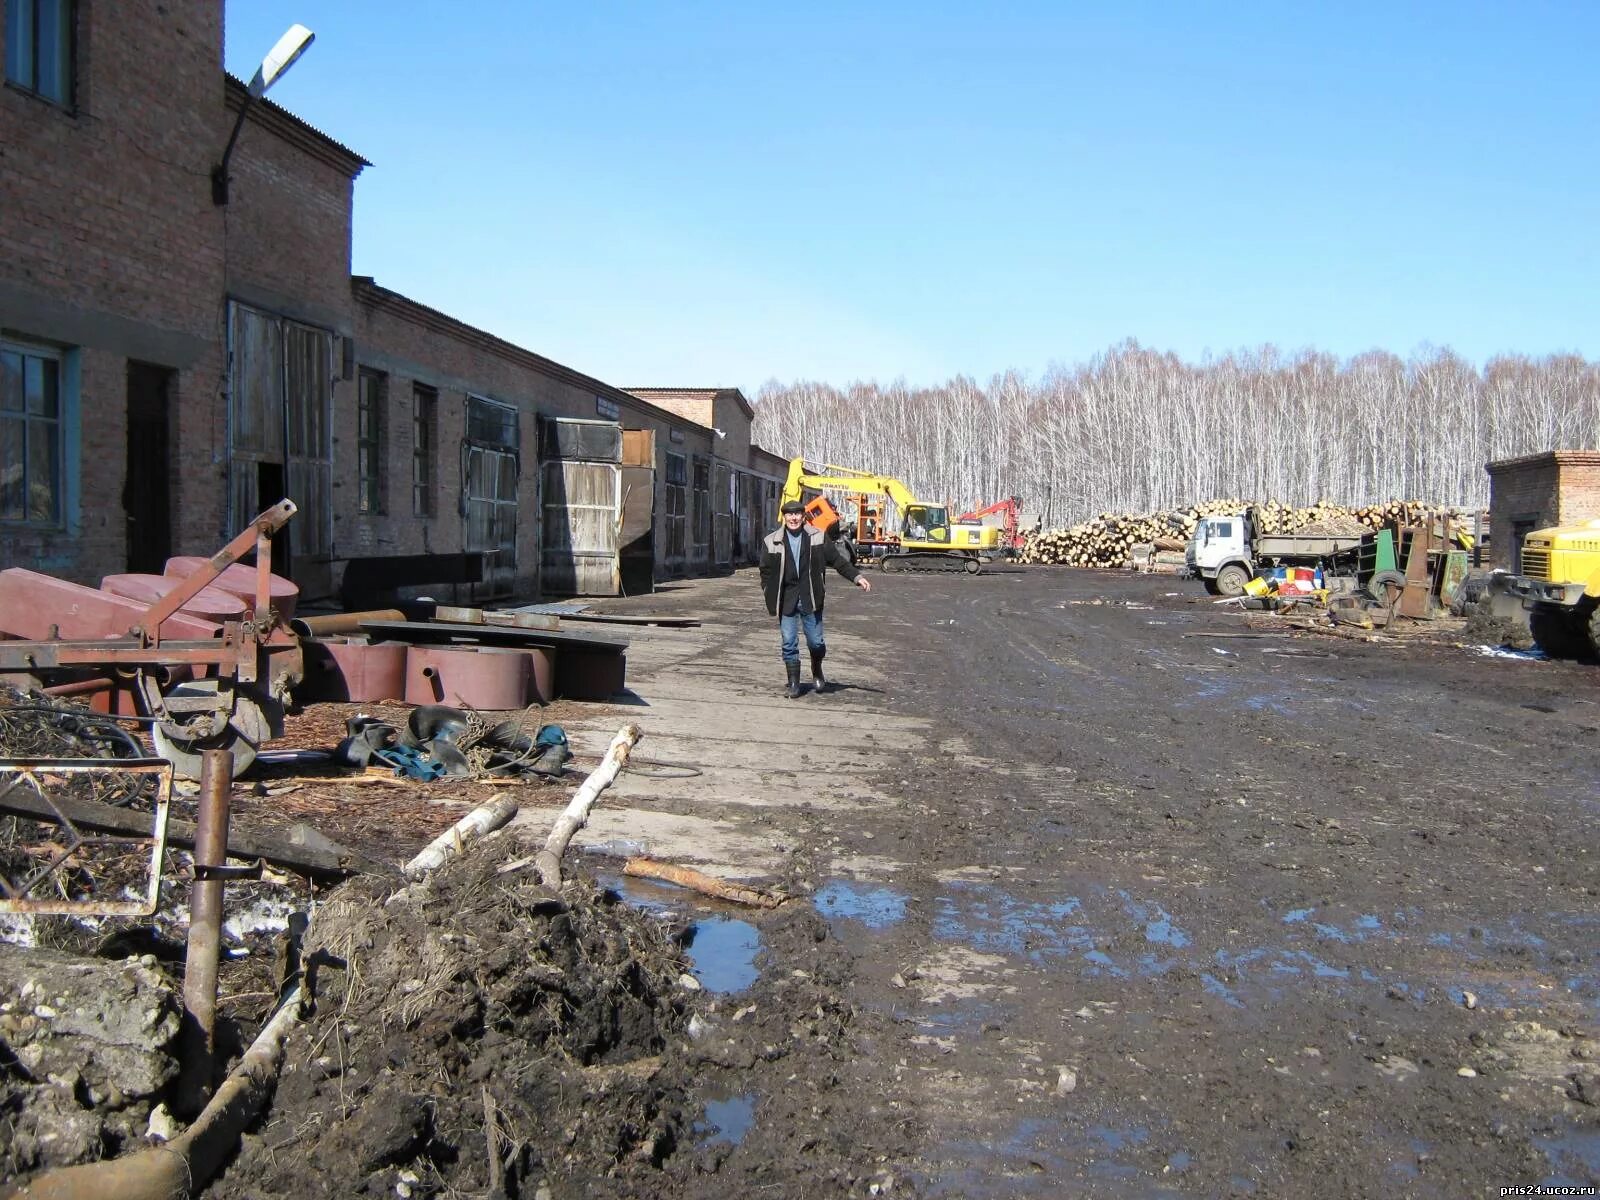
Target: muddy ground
(1097,887)
(1182,904)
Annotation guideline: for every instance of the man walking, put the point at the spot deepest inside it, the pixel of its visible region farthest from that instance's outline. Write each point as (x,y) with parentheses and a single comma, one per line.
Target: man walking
(793,558)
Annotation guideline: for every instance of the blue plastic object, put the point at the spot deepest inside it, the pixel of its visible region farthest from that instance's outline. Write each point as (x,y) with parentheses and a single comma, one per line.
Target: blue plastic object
(409,763)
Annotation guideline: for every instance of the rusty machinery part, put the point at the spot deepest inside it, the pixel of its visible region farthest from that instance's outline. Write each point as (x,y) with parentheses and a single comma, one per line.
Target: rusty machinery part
(65,870)
(933,562)
(199,717)
(1386,586)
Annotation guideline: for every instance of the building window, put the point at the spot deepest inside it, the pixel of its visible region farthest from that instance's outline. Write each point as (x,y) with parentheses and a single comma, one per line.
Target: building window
(702,502)
(30,436)
(369,441)
(39,48)
(677,518)
(424,448)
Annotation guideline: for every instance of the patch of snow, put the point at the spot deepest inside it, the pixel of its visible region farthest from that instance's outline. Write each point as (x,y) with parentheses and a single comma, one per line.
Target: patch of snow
(1506,652)
(269,914)
(17,928)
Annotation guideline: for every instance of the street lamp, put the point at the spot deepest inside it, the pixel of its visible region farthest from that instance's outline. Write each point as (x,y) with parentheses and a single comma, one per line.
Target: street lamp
(278,60)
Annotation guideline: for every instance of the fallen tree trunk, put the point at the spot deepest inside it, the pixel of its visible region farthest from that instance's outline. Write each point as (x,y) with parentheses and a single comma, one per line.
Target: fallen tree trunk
(576,815)
(649,868)
(484,819)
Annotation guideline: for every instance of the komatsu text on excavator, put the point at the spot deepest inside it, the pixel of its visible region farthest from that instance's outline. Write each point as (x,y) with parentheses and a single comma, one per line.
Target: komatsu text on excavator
(917,536)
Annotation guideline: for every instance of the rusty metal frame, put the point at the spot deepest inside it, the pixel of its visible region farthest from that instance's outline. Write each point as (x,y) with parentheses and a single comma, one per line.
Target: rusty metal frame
(28,772)
(244,652)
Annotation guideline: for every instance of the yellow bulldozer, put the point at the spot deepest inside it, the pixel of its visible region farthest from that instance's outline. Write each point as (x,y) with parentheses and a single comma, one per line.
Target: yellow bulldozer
(884,522)
(1560,587)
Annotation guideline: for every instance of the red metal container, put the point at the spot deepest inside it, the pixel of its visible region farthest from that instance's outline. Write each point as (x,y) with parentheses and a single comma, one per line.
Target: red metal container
(240,580)
(487,677)
(212,603)
(542,677)
(353,669)
(39,607)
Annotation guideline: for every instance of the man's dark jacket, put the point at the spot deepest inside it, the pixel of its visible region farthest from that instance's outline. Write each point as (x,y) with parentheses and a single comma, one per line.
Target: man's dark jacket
(781,583)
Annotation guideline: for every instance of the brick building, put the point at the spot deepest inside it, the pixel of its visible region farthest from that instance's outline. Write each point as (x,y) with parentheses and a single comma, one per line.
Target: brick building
(1537,491)
(170,365)
(111,283)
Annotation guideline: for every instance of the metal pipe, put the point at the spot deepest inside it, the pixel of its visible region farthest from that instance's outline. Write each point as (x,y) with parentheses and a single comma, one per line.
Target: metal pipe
(205,929)
(335,623)
(81,687)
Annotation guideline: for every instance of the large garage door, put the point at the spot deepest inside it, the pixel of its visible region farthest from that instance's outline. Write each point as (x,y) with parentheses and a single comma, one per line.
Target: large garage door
(582,500)
(723,510)
(280,401)
(489,475)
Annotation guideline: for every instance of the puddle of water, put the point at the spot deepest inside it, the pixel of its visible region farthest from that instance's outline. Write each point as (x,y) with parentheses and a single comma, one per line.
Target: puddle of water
(654,898)
(874,907)
(1364,926)
(1220,990)
(727,1120)
(986,918)
(1158,926)
(724,951)
(1431,958)
(1040,1157)
(955,1016)
(1120,1139)
(1574,1156)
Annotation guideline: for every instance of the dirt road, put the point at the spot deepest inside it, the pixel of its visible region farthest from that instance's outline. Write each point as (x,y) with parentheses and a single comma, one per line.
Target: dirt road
(1120,896)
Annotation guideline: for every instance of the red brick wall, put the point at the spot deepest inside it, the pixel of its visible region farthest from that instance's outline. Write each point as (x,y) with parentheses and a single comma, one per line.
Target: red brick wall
(1538,491)
(109,243)
(289,217)
(411,348)
(1580,491)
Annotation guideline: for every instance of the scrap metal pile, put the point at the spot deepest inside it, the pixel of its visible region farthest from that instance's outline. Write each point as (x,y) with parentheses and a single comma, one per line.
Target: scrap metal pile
(1113,540)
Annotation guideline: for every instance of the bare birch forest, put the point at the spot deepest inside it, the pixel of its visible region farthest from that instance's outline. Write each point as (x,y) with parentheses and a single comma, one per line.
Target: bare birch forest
(1134,430)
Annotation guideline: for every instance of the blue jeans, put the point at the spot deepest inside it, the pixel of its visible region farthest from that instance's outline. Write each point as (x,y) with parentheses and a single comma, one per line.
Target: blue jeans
(789,626)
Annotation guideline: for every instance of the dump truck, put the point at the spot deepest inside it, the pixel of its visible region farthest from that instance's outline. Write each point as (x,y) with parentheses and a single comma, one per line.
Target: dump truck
(1226,552)
(1559,586)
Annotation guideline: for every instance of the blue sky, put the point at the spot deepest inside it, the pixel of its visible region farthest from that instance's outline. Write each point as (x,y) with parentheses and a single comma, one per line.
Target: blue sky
(726,193)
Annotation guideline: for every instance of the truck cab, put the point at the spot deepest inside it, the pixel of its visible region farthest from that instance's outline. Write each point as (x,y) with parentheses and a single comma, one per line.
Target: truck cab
(1560,588)
(1220,553)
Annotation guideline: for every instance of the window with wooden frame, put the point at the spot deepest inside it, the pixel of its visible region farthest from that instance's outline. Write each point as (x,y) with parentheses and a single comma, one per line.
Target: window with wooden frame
(424,449)
(31,465)
(702,502)
(373,388)
(676,503)
(39,48)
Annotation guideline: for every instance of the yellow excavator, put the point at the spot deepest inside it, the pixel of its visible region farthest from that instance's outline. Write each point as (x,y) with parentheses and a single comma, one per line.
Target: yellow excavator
(918,537)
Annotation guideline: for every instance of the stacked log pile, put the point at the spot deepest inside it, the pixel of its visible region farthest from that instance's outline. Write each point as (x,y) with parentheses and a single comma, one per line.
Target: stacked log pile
(1109,539)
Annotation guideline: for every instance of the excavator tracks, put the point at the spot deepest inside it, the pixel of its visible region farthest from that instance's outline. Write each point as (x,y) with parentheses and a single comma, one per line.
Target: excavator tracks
(933,563)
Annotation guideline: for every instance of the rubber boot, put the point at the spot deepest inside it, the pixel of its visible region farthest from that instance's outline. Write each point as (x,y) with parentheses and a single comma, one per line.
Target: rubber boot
(794,680)
(817,680)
